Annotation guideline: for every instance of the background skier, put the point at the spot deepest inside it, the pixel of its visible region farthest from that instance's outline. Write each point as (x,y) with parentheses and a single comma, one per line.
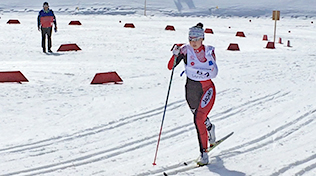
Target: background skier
(45,21)
(200,68)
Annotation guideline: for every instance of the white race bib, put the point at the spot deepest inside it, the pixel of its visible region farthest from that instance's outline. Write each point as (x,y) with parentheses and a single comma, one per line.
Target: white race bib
(200,71)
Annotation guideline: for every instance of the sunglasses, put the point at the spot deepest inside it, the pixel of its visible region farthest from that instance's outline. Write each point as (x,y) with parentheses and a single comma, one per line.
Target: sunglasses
(194,39)
(45,6)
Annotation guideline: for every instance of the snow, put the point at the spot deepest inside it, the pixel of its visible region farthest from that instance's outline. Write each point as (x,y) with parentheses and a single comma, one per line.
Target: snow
(59,124)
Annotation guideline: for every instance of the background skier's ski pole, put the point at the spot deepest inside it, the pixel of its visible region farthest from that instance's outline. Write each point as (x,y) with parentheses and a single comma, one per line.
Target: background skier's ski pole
(164,112)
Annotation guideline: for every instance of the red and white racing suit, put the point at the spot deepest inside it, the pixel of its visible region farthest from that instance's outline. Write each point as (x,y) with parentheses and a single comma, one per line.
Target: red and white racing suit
(200,68)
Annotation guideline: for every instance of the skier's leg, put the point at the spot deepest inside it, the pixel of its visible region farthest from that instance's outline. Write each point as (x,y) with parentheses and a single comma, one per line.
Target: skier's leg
(210,130)
(194,92)
(206,104)
(43,39)
(49,36)
(201,131)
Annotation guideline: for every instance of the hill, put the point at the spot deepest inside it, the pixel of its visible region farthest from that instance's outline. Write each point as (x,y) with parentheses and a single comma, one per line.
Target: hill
(289,8)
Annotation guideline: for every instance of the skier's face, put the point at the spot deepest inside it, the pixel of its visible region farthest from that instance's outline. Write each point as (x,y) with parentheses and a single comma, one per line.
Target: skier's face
(46,7)
(196,44)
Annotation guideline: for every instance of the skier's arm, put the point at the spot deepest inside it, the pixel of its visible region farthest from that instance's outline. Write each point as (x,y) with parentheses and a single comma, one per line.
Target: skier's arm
(214,68)
(179,52)
(39,21)
(55,22)
(178,60)
(213,54)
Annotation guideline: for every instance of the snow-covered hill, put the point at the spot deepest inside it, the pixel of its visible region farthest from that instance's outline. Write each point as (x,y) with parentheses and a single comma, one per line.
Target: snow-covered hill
(292,8)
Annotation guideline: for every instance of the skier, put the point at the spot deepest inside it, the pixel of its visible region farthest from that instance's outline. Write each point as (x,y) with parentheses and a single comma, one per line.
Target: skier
(45,21)
(200,68)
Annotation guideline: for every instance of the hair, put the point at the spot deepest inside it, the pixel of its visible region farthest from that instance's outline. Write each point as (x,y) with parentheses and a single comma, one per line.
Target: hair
(199,25)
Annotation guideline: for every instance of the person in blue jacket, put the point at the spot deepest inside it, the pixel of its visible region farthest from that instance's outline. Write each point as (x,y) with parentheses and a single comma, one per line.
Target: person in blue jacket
(45,21)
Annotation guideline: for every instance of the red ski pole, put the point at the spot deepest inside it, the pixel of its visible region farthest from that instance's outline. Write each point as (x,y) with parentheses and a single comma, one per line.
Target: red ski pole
(166,103)
(164,112)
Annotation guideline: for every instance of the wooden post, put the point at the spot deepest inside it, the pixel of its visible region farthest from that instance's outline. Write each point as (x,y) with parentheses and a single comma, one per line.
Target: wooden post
(145,8)
(274,30)
(275,17)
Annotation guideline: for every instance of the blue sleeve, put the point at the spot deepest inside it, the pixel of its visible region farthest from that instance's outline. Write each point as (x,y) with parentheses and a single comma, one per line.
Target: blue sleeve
(39,19)
(55,22)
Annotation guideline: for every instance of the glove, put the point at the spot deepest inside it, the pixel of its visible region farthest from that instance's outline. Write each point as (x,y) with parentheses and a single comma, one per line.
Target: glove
(176,50)
(55,29)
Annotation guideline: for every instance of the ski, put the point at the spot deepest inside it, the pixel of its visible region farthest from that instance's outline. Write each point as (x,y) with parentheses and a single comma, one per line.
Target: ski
(192,164)
(212,146)
(218,142)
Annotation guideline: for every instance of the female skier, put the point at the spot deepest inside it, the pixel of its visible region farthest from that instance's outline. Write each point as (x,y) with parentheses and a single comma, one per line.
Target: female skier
(200,68)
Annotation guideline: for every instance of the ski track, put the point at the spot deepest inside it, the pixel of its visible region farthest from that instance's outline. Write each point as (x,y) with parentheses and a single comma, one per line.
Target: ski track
(101,155)
(297,163)
(291,126)
(131,146)
(95,130)
(307,169)
(255,102)
(171,170)
(233,152)
(92,131)
(228,153)
(174,169)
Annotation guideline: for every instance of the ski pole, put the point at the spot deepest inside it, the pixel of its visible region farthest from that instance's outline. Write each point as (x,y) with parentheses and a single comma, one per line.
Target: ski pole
(164,112)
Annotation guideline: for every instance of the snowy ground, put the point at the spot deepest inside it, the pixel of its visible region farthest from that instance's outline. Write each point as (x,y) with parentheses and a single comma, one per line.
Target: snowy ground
(59,124)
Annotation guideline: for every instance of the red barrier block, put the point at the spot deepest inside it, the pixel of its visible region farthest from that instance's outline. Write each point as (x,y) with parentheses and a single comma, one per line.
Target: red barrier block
(265,38)
(74,23)
(270,45)
(129,25)
(240,34)
(208,31)
(69,47)
(13,22)
(280,40)
(288,44)
(170,28)
(108,77)
(233,47)
(12,76)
